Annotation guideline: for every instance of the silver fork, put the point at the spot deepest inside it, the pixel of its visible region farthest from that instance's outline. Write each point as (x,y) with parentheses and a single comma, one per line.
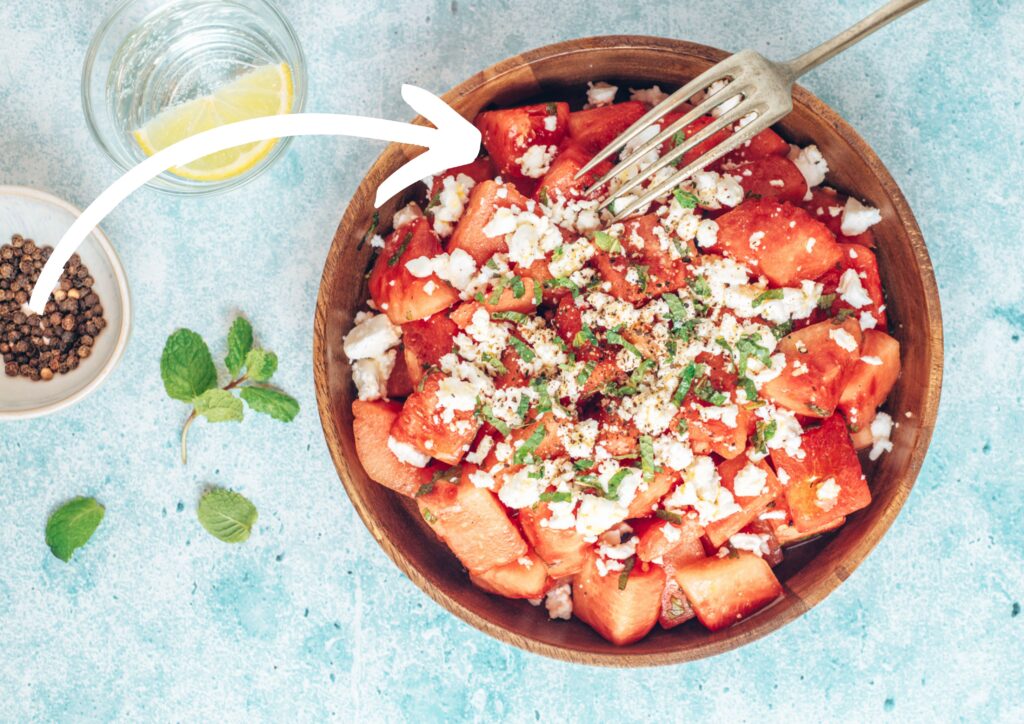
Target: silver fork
(764,92)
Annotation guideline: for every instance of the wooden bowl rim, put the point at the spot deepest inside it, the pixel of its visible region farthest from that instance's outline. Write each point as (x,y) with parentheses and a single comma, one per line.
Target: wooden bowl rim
(763,625)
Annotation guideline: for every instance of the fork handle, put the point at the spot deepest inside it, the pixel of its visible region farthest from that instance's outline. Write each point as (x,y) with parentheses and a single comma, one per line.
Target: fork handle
(852,35)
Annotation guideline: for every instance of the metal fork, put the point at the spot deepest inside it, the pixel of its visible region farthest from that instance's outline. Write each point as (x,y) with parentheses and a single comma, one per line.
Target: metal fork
(763,91)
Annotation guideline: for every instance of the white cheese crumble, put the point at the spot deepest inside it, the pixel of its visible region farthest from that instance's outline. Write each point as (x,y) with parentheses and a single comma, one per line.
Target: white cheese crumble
(812,165)
(451,203)
(858,218)
(827,493)
(519,490)
(881,429)
(651,96)
(750,481)
(558,600)
(371,375)
(601,93)
(537,160)
(852,291)
(457,268)
(372,336)
(407,453)
(756,543)
(844,339)
(408,213)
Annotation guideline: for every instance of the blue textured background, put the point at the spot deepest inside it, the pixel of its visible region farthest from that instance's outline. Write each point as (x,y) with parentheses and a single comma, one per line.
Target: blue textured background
(156,619)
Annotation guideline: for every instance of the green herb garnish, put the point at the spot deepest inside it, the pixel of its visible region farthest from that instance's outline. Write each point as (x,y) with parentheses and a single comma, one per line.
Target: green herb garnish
(825,301)
(638,374)
(586,334)
(494,362)
(685,199)
(748,347)
(676,308)
(699,285)
(624,576)
(647,457)
(763,432)
(401,249)
(781,330)
(370,231)
(614,337)
(518,288)
(517,317)
(686,378)
(584,375)
(564,282)
(227,515)
(524,453)
(767,295)
(71,526)
(522,349)
(556,496)
(189,375)
(487,414)
(669,516)
(612,491)
(749,388)
(706,391)
(607,243)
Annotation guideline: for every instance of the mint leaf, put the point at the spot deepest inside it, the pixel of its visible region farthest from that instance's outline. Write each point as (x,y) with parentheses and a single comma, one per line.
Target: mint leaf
(72,525)
(271,402)
(186,366)
(227,515)
(239,344)
(260,365)
(219,406)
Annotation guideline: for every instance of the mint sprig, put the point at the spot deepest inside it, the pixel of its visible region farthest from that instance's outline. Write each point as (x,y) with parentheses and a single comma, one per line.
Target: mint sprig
(189,375)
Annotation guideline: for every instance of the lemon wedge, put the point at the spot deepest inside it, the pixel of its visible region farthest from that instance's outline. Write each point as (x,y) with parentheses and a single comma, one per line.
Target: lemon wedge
(263,91)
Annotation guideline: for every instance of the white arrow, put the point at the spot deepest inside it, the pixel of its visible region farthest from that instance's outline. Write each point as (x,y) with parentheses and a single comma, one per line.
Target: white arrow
(454,142)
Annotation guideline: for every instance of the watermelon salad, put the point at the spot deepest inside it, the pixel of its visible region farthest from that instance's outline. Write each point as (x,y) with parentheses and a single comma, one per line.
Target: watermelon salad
(624,422)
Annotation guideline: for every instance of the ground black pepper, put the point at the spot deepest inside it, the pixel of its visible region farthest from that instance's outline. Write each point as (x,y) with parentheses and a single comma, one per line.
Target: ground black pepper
(55,342)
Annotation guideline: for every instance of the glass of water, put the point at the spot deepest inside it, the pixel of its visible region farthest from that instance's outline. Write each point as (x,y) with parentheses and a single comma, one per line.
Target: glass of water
(160,70)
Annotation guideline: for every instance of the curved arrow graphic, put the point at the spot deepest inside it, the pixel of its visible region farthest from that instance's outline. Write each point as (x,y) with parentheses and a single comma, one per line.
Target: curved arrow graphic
(453,142)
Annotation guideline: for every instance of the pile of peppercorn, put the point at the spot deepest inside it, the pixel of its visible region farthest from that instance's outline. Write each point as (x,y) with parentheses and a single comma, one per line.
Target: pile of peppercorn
(39,346)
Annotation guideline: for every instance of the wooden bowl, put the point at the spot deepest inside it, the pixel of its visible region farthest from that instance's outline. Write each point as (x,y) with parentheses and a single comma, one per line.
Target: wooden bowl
(811,571)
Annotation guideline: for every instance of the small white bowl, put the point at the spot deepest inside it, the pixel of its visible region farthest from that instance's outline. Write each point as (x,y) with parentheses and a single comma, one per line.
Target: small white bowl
(44,218)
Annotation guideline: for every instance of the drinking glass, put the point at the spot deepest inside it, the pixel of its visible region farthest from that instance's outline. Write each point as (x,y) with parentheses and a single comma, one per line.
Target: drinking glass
(150,55)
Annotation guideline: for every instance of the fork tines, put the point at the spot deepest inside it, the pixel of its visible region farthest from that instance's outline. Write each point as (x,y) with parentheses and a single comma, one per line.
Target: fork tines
(735,99)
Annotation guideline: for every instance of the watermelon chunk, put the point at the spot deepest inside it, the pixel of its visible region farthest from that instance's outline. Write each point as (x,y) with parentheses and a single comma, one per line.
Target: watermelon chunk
(827,482)
(725,590)
(525,577)
(399,294)
(485,198)
(422,424)
(623,613)
(817,367)
(370,427)
(563,550)
(751,506)
(472,522)
(870,381)
(776,240)
(510,132)
(595,128)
